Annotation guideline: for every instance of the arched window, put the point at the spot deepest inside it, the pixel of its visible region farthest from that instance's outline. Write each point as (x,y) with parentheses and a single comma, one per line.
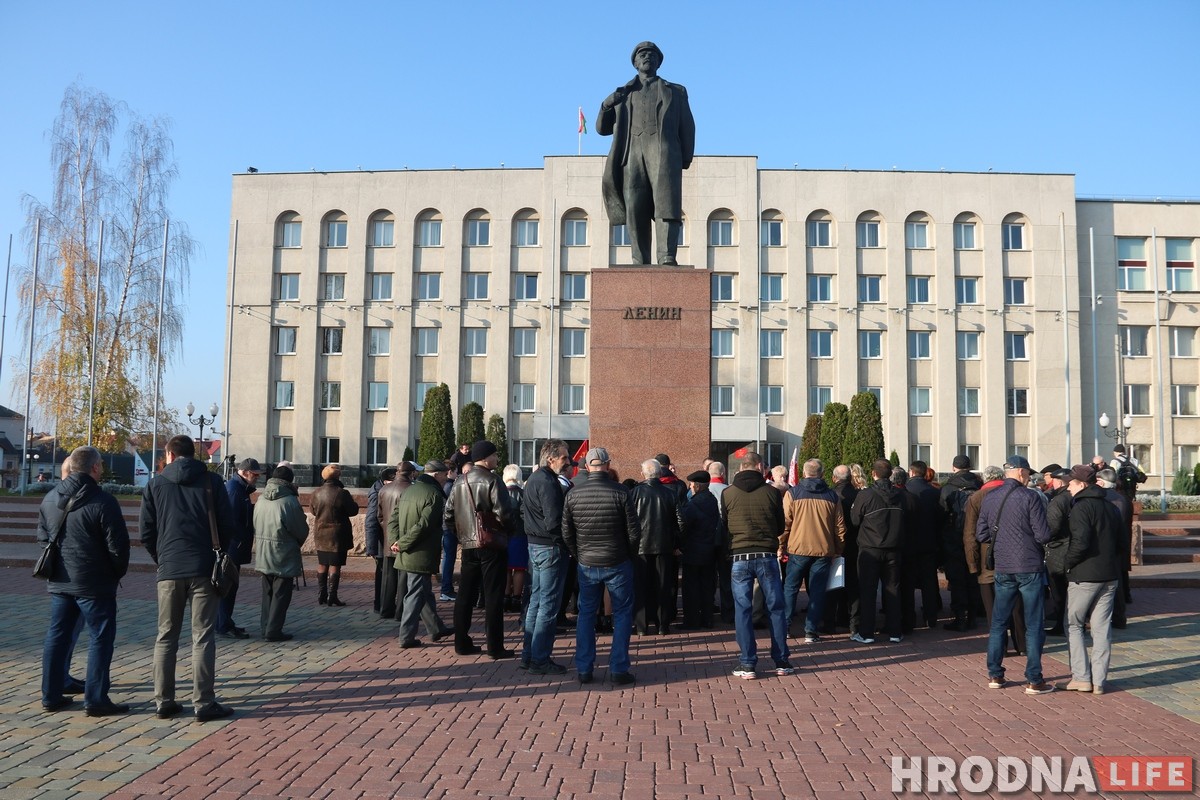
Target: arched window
(819,229)
(720,228)
(1014,232)
(429,229)
(966,228)
(333,230)
(771,229)
(575,228)
(526,228)
(287,230)
(478,231)
(867,230)
(381,229)
(918,231)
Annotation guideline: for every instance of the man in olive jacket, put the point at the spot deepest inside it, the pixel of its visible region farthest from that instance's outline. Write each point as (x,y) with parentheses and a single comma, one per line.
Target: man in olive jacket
(280,530)
(414,534)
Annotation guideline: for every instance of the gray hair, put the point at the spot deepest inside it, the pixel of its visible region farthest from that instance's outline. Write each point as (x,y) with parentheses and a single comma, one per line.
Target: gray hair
(813,468)
(992,473)
(1107,478)
(651,469)
(512,473)
(551,448)
(899,476)
(841,473)
(716,469)
(84,459)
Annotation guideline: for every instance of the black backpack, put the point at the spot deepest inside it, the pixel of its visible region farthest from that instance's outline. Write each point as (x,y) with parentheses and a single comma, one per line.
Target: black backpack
(1128,477)
(956,507)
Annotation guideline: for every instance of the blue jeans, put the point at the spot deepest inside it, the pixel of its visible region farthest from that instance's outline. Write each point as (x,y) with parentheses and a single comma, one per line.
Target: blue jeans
(815,571)
(592,582)
(1029,585)
(546,563)
(449,552)
(100,614)
(766,571)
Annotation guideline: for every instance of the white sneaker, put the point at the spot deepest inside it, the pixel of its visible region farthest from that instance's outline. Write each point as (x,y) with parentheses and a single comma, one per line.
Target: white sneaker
(745,673)
(895,639)
(858,637)
(811,638)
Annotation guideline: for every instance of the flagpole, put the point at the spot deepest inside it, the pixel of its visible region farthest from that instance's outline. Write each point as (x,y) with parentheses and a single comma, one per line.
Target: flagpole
(162,290)
(37,243)
(95,334)
(4,315)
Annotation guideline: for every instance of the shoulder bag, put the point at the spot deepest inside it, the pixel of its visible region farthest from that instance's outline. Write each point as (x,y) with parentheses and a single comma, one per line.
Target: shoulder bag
(43,568)
(488,530)
(989,560)
(225,574)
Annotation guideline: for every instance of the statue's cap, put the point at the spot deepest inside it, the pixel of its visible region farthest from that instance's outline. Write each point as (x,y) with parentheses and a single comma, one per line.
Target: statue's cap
(646,46)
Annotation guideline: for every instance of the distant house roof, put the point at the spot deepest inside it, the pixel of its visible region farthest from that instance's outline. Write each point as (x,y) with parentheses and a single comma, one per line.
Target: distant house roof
(8,413)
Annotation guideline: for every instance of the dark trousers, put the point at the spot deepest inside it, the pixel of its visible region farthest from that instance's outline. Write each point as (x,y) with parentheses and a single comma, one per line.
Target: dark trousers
(225,622)
(957,576)
(919,573)
(482,573)
(277,596)
(570,590)
(654,601)
(699,584)
(877,567)
(378,581)
(725,587)
(390,596)
(1058,595)
(100,614)
(842,605)
(1016,623)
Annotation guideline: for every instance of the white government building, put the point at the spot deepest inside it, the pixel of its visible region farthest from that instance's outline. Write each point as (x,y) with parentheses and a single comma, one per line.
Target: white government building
(965,301)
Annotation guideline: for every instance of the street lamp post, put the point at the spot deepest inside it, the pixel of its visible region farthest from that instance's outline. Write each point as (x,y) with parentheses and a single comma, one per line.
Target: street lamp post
(202,420)
(1121,433)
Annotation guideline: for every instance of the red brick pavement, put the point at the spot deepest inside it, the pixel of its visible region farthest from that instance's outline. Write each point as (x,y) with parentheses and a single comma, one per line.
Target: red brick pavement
(427,724)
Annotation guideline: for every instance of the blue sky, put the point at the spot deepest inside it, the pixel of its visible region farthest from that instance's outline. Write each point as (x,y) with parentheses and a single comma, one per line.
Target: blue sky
(1103,90)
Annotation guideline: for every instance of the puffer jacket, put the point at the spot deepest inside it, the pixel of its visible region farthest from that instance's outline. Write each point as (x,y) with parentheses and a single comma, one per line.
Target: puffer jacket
(1094,551)
(93,552)
(174,522)
(332,507)
(600,524)
(813,524)
(241,545)
(1022,528)
(753,513)
(415,527)
(703,533)
(881,513)
(975,550)
(280,530)
(657,506)
(489,493)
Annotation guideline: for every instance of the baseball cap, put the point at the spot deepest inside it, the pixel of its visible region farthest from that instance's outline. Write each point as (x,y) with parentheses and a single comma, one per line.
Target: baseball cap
(250,465)
(961,462)
(1083,472)
(1017,462)
(597,455)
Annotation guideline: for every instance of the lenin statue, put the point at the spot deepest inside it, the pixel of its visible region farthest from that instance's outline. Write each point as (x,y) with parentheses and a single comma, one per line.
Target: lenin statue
(654,138)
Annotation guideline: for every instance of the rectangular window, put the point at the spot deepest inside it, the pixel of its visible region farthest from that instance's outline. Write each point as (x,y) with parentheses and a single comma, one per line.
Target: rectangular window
(770,399)
(722,399)
(474,393)
(964,237)
(419,396)
(771,233)
(331,450)
(381,286)
(1180,266)
(525,286)
(720,233)
(1137,399)
(1014,347)
(1183,401)
(285,341)
(290,234)
(573,342)
(429,233)
(1131,264)
(574,232)
(335,233)
(475,286)
(383,233)
(770,344)
(870,344)
(867,234)
(1014,236)
(722,287)
(818,398)
(377,396)
(920,345)
(429,286)
(1014,292)
(1187,456)
(1141,454)
(523,397)
(878,392)
(333,286)
(379,341)
(921,452)
(331,395)
(428,341)
(1135,340)
(966,291)
(918,401)
(773,453)
(479,233)
(475,341)
(818,233)
(820,288)
(1183,342)
(972,452)
(916,235)
(574,286)
(722,343)
(527,234)
(572,398)
(377,451)
(968,345)
(287,286)
(870,289)
(281,448)
(620,236)
(1017,402)
(770,288)
(526,452)
(968,401)
(820,344)
(285,394)
(524,342)
(331,341)
(918,289)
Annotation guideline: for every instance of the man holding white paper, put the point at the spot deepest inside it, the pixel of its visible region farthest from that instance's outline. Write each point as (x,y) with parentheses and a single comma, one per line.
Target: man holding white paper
(814,533)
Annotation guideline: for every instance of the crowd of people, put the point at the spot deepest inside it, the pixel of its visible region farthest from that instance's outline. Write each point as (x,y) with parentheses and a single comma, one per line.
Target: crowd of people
(613,551)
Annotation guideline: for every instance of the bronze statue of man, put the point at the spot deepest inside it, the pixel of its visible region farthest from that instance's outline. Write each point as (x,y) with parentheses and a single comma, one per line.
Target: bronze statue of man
(654,138)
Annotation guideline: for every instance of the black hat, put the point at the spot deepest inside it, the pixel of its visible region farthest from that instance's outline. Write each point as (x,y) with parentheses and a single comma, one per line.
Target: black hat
(482,449)
(284,474)
(699,476)
(1051,468)
(1085,473)
(1062,473)
(961,462)
(663,459)
(1119,448)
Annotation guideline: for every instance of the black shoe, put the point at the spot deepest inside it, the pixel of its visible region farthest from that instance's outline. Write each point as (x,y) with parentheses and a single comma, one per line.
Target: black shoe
(279,637)
(1128,598)
(214,711)
(549,668)
(586,677)
(469,650)
(622,678)
(74,686)
(505,653)
(167,709)
(641,631)
(958,625)
(334,601)
(1119,624)
(109,709)
(524,664)
(411,643)
(448,632)
(233,633)
(664,629)
(58,704)
(239,629)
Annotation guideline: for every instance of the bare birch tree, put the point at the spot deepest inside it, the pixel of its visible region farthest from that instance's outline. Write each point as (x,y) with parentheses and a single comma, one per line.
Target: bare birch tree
(130,197)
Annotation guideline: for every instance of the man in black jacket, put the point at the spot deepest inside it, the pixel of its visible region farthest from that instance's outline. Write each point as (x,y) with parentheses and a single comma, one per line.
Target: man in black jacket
(239,487)
(964,588)
(841,605)
(655,568)
(93,556)
(600,528)
(373,531)
(177,534)
(881,513)
(701,542)
(391,596)
(920,552)
(1058,509)
(542,508)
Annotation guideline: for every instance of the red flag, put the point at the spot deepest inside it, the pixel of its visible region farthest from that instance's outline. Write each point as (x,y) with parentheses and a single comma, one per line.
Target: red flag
(794,469)
(579,455)
(741,452)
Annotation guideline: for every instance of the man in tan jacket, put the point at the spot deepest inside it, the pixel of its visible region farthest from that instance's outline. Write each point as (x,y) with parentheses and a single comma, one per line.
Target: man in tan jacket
(814,532)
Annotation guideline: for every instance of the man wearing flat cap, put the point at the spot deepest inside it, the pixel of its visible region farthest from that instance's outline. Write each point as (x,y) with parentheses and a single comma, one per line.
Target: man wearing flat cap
(239,487)
(654,138)
(702,541)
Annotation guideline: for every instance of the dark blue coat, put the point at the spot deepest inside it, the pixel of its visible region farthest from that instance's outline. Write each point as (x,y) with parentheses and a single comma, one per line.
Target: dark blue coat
(242,537)
(93,553)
